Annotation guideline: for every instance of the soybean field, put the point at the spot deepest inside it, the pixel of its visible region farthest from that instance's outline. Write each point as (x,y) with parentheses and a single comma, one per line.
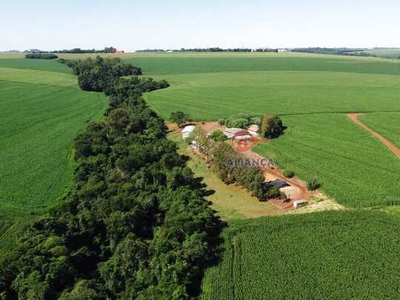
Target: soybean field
(42,112)
(328,255)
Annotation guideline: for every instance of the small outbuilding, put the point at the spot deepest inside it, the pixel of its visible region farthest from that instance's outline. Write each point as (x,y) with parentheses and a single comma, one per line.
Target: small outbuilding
(253,129)
(187,130)
(278,183)
(299,203)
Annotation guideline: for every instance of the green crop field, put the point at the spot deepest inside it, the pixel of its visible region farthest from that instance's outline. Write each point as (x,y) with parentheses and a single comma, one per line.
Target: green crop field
(168,64)
(353,166)
(34,64)
(312,93)
(216,95)
(330,255)
(42,112)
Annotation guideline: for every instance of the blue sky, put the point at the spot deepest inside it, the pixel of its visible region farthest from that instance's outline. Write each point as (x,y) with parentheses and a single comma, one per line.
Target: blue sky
(130,25)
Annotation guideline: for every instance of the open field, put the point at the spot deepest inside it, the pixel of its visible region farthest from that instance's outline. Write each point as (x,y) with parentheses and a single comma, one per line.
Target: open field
(192,63)
(34,64)
(41,114)
(218,95)
(328,255)
(164,64)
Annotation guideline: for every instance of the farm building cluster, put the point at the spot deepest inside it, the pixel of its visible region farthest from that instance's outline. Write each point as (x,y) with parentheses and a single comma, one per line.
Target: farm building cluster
(235,134)
(228,132)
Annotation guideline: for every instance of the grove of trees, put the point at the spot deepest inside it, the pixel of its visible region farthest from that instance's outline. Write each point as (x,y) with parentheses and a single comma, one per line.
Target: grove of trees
(240,121)
(106,73)
(230,166)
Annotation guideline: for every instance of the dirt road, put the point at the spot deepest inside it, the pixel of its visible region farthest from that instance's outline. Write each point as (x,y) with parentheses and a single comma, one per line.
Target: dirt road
(392,147)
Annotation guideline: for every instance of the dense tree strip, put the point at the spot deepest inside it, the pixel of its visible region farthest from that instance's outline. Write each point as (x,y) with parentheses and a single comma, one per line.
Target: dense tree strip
(134,226)
(233,167)
(41,56)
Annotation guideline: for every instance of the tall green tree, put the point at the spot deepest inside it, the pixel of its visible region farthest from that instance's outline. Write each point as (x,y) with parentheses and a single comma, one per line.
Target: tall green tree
(272,126)
(179,117)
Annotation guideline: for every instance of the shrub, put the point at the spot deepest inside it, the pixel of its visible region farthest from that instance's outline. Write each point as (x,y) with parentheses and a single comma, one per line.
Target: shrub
(237,123)
(288,173)
(313,184)
(221,121)
(241,121)
(255,120)
(218,136)
(273,192)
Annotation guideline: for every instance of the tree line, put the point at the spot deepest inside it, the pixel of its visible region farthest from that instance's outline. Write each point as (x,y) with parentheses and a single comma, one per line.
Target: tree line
(81,51)
(336,51)
(41,56)
(135,225)
(230,166)
(212,49)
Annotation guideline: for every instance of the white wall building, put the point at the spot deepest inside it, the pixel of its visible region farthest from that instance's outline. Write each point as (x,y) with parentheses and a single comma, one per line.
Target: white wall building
(187,131)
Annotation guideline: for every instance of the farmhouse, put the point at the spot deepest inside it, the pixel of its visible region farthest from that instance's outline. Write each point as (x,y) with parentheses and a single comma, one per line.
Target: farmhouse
(187,131)
(231,132)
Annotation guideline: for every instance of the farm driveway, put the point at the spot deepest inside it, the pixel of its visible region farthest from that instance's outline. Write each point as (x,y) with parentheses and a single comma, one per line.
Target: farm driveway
(392,147)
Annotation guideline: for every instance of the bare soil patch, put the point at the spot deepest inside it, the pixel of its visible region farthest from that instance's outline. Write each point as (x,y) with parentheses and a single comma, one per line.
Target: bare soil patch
(207,126)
